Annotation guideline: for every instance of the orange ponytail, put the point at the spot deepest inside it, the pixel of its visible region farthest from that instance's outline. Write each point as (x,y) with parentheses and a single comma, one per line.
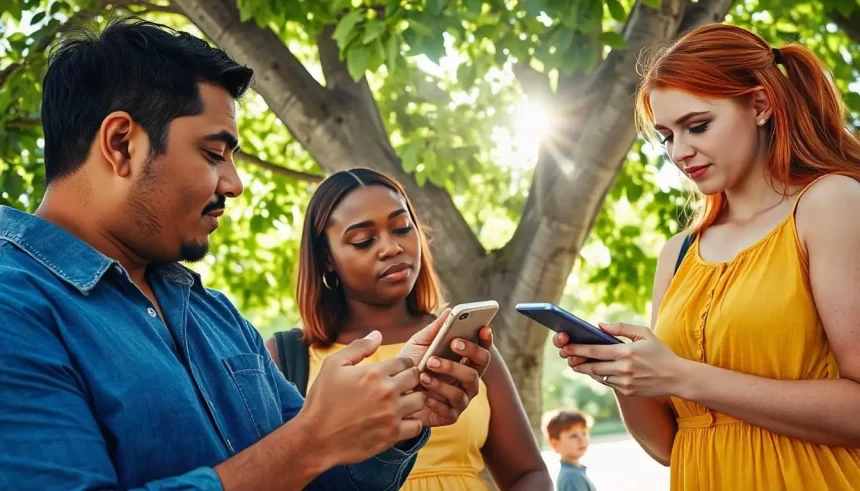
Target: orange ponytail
(809,137)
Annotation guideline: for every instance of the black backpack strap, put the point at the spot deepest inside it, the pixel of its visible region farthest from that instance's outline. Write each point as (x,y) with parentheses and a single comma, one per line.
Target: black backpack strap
(685,246)
(293,358)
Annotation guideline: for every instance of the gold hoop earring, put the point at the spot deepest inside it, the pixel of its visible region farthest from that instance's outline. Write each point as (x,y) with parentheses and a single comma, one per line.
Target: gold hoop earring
(325,281)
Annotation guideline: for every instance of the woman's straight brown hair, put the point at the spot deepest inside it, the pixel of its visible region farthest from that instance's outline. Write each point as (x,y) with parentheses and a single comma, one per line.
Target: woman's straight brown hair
(323,310)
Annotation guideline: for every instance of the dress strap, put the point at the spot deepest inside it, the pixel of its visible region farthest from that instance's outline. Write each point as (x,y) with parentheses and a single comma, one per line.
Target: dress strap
(797,200)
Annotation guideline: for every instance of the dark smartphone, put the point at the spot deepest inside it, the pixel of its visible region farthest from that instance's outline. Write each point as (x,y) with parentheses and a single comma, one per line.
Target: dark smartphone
(560,320)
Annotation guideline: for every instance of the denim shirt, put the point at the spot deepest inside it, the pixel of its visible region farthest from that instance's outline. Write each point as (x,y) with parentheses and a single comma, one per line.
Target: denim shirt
(97,392)
(573,478)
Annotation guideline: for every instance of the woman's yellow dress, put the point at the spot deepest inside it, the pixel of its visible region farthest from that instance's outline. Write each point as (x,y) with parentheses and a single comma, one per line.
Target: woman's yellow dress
(451,459)
(754,315)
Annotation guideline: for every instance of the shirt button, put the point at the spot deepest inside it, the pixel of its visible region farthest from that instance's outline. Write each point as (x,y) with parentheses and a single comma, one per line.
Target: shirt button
(151,311)
(117,268)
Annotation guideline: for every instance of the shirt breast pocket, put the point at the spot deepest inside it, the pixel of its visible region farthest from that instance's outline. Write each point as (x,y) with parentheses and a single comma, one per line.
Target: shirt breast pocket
(249,375)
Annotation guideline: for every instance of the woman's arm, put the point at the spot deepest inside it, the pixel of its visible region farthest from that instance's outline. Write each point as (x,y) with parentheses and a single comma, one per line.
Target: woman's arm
(649,420)
(511,452)
(818,411)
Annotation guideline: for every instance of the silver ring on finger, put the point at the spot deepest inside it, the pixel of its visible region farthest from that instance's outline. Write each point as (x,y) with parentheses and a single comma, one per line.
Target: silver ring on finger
(603,380)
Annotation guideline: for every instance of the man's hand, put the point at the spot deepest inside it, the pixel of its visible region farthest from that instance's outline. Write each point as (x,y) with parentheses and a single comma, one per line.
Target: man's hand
(451,386)
(356,412)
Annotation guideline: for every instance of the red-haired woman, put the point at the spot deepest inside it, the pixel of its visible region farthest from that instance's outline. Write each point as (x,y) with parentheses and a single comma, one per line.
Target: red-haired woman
(365,265)
(751,378)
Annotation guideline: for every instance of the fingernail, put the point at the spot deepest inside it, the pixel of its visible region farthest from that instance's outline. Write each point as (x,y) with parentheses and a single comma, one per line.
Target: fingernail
(434,363)
(425,379)
(373,335)
(459,345)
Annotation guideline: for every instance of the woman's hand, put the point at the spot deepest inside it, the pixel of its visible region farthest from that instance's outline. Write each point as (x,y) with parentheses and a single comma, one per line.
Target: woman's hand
(644,367)
(449,387)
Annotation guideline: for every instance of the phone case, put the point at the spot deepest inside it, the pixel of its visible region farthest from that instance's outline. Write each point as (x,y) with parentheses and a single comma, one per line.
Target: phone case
(559,320)
(465,322)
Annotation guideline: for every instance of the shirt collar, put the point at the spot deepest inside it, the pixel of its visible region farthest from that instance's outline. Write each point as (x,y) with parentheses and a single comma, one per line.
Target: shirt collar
(70,258)
(573,466)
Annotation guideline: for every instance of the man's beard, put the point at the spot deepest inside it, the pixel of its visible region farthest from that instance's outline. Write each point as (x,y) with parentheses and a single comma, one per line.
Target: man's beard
(193,251)
(146,218)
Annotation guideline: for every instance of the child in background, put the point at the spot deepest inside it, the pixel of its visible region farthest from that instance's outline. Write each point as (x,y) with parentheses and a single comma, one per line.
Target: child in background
(568,434)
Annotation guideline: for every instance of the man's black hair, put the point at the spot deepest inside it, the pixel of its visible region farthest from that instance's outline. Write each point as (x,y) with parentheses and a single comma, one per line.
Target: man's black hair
(146,69)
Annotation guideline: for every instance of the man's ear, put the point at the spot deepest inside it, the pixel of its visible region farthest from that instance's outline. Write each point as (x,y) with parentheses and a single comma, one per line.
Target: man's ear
(119,139)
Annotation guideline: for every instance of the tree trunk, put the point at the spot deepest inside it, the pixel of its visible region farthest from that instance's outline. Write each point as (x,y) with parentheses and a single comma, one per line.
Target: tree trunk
(339,125)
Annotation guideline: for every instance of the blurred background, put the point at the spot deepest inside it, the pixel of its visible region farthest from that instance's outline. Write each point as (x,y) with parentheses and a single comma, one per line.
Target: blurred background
(510,122)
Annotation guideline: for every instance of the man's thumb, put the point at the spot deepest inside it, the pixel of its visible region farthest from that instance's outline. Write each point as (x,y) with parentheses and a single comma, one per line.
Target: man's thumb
(361,348)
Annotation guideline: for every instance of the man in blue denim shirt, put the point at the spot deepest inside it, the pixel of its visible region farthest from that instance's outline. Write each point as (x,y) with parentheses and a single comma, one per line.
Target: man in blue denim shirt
(118,368)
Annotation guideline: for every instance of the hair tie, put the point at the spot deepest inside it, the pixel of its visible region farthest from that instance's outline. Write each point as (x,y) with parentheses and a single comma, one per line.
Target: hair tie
(777,56)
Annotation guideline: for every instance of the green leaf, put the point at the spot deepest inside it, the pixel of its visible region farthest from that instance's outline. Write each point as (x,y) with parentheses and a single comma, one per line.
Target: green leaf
(421,178)
(613,40)
(634,192)
(376,57)
(433,48)
(590,56)
(473,7)
(466,74)
(346,27)
(246,9)
(357,61)
(847,7)
(14,185)
(852,100)
(392,49)
(485,32)
(434,7)
(429,159)
(561,39)
(58,6)
(409,155)
(391,9)
(420,28)
(535,7)
(574,17)
(372,30)
(39,17)
(438,175)
(258,223)
(654,4)
(616,10)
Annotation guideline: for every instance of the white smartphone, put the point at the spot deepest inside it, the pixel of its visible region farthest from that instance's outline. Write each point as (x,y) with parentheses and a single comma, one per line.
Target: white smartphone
(465,322)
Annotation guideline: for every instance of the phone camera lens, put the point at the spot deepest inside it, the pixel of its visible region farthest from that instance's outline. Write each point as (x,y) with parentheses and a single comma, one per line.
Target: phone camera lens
(464,316)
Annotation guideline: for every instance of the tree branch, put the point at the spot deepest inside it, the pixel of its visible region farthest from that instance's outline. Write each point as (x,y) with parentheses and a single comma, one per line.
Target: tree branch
(147,6)
(350,93)
(23,123)
(4,73)
(580,158)
(277,169)
(704,12)
(849,25)
(46,41)
(290,91)
(335,135)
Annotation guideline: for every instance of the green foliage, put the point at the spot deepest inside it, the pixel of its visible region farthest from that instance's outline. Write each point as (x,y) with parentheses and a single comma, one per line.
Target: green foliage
(441,71)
